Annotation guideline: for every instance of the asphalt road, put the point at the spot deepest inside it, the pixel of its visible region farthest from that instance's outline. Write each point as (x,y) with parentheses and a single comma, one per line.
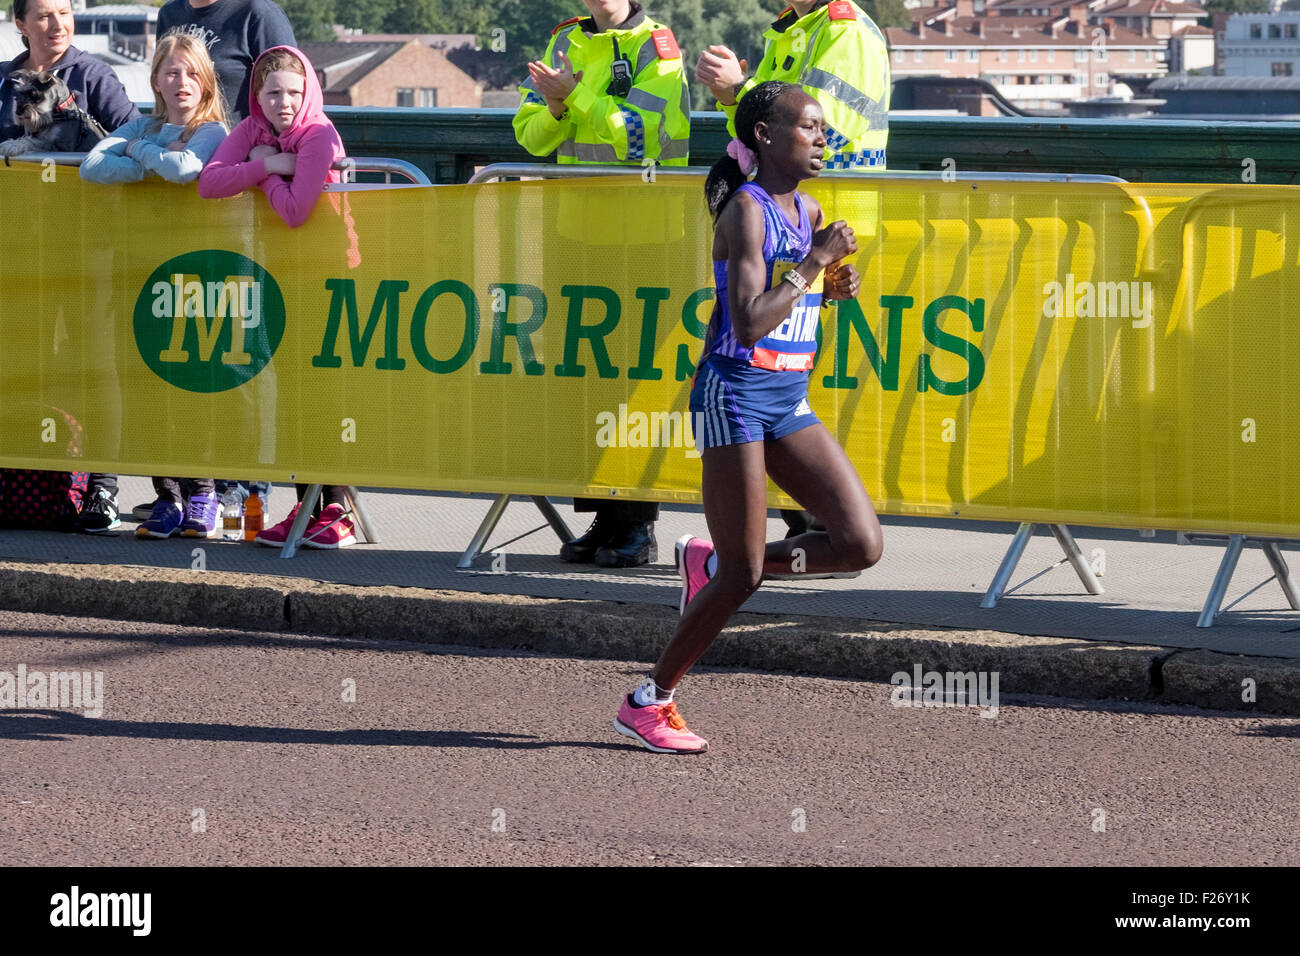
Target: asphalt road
(227,747)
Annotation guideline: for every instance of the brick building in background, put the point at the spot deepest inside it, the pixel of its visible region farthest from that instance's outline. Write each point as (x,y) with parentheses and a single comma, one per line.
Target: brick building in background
(1042,54)
(387,70)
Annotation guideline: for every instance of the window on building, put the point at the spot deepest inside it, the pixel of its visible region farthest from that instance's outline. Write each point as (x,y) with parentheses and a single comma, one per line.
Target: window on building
(1081,56)
(1148,56)
(1033,56)
(1100,79)
(1290,31)
(950,56)
(1051,56)
(1281,69)
(1020,56)
(1275,31)
(428,98)
(972,56)
(917,56)
(1101,54)
(1081,79)
(898,56)
(1132,56)
(405,97)
(1255,31)
(1002,56)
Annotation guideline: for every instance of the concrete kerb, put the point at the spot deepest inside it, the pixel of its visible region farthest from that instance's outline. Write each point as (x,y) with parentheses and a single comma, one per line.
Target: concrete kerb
(827,647)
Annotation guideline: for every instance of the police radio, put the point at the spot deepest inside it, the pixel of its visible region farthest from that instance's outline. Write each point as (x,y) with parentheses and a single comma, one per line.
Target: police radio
(621,74)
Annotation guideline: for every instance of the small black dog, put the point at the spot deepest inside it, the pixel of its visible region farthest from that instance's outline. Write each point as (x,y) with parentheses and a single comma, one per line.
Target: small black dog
(49,113)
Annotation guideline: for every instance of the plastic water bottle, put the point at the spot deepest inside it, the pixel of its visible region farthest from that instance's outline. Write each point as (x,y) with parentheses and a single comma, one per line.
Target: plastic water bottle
(232,517)
(252,517)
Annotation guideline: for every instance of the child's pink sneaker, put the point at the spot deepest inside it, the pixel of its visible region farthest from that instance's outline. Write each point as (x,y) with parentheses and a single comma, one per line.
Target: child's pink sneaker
(277,535)
(658,727)
(693,566)
(333,529)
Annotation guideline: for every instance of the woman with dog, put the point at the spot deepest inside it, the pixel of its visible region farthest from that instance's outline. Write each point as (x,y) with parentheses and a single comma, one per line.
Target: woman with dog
(47,28)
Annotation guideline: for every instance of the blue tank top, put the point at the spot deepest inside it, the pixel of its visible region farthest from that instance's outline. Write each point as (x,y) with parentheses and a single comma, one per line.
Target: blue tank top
(792,345)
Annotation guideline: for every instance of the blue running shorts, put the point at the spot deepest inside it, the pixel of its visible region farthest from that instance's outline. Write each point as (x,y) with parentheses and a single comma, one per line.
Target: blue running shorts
(733,402)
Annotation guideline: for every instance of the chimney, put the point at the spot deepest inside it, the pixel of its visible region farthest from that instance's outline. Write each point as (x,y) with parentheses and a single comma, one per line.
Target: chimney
(1079,13)
(1054,29)
(965,8)
(947,27)
(1109,24)
(979,29)
(1015,32)
(920,29)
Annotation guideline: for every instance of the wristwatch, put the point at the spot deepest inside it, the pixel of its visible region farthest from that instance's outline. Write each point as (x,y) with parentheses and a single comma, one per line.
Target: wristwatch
(796,280)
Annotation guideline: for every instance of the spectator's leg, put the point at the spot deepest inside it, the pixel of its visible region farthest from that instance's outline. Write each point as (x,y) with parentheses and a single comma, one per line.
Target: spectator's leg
(582,550)
(633,542)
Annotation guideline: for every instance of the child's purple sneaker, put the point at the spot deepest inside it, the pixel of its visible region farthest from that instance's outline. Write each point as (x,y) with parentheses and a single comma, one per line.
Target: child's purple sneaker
(202,518)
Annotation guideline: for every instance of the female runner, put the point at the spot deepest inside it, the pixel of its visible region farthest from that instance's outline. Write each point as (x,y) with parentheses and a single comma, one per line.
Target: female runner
(750,393)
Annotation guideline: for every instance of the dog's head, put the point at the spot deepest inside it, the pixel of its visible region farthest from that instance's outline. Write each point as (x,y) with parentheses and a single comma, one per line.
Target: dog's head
(38,96)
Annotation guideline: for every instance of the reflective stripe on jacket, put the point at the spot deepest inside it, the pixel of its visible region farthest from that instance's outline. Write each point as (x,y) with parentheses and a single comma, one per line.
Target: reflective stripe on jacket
(843,63)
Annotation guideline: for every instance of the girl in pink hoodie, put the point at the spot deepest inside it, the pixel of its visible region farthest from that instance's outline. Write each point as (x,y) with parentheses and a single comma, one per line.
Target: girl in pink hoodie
(289,148)
(287,145)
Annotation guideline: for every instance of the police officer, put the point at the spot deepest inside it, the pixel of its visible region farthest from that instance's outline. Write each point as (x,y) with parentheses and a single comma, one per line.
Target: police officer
(610,89)
(833,50)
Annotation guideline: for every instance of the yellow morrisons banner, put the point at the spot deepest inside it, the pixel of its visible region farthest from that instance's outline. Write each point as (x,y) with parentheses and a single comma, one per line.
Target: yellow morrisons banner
(1094,354)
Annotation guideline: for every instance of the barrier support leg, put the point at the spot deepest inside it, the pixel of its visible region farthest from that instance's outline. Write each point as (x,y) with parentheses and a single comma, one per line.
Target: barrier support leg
(553,518)
(363,519)
(1075,554)
(1282,573)
(1008,566)
(1227,566)
(300,522)
(486,528)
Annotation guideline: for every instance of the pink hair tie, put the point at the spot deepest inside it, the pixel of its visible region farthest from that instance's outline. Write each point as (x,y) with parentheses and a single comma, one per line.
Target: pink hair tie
(743,155)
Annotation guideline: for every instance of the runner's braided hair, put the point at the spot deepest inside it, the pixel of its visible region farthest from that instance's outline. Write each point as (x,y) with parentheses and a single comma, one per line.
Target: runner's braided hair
(757,106)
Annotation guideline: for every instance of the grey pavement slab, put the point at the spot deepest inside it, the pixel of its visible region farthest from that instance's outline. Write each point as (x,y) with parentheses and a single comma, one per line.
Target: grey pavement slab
(933,574)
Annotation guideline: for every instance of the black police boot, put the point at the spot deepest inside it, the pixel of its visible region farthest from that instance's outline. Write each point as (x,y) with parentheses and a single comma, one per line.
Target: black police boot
(633,544)
(583,550)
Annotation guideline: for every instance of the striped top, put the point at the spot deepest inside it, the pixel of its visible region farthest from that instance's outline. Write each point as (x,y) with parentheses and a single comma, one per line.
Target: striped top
(792,345)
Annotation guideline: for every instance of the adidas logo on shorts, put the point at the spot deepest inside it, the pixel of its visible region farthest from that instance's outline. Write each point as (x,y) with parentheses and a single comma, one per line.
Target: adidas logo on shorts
(802,408)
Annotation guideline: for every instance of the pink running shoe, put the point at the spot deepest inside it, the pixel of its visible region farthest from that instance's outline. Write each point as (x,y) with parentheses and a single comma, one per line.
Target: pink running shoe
(693,565)
(276,535)
(658,727)
(333,529)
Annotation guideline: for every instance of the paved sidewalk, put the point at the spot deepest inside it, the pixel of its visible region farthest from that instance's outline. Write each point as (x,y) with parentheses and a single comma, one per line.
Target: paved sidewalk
(933,574)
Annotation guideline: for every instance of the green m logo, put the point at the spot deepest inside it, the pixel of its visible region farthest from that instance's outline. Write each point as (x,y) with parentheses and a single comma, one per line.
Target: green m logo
(209,321)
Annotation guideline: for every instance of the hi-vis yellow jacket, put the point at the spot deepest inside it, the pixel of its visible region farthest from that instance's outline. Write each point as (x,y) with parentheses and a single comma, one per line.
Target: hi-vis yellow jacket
(650,121)
(840,59)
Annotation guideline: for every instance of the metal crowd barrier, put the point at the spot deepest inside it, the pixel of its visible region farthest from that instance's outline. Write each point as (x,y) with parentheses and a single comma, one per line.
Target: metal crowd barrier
(998,588)
(499,172)
(352,165)
(377,165)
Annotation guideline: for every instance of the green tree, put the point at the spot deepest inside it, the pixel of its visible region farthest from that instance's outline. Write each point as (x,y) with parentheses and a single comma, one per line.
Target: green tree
(892,13)
(366,15)
(312,20)
(1236,6)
